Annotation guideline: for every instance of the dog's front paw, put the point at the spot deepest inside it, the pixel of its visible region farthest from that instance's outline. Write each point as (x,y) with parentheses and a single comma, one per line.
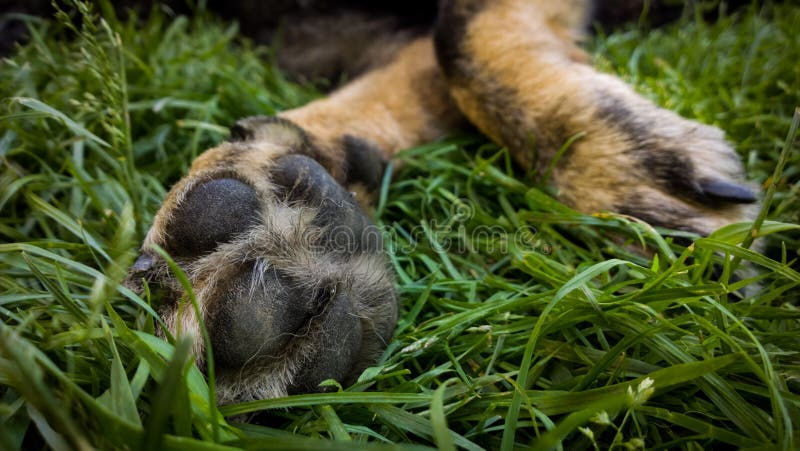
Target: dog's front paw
(650,163)
(288,270)
(514,70)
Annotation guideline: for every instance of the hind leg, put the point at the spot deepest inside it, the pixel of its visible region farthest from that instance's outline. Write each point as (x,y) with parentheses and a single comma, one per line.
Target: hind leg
(514,70)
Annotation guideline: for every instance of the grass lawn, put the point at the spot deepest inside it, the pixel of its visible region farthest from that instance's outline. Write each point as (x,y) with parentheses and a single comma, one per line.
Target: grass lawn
(562,337)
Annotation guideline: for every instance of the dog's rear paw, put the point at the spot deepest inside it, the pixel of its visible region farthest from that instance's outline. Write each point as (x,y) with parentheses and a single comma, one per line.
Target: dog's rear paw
(289,272)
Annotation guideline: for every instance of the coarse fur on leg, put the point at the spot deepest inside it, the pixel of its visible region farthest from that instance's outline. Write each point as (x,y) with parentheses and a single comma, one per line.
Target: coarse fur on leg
(516,73)
(397,106)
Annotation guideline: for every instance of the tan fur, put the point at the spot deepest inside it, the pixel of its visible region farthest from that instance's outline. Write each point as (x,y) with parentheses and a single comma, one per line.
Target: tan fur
(401,105)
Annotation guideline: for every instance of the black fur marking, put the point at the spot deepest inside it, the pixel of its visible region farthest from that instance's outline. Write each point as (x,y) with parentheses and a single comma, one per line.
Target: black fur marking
(245,129)
(672,171)
(670,217)
(668,167)
(451,32)
(728,192)
(212,213)
(238,132)
(616,114)
(364,162)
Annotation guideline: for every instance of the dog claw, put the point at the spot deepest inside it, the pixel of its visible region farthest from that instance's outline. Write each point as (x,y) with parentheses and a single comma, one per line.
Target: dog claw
(728,192)
(143,263)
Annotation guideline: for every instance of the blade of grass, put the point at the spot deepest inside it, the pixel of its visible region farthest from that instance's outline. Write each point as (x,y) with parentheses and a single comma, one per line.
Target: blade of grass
(188,291)
(165,395)
(441,433)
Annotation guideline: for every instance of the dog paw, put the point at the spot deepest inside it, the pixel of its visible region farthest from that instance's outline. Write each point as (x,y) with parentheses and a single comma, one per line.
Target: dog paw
(650,163)
(290,273)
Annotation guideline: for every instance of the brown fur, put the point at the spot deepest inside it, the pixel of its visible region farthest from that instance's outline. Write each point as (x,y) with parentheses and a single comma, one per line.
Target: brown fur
(400,105)
(530,92)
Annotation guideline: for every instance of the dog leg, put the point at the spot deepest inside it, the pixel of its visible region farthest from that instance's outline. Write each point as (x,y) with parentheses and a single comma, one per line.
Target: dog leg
(514,70)
(400,105)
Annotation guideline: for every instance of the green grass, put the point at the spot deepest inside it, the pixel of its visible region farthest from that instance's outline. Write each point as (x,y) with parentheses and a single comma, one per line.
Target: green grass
(549,340)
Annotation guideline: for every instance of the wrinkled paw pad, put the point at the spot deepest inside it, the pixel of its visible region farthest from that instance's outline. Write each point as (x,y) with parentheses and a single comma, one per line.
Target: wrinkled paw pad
(293,281)
(212,213)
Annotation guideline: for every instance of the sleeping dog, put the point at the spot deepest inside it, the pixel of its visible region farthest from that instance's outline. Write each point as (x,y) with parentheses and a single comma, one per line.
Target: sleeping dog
(270,226)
